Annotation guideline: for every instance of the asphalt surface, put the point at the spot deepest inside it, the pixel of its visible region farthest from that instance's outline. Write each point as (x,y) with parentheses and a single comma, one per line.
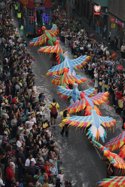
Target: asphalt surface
(81,162)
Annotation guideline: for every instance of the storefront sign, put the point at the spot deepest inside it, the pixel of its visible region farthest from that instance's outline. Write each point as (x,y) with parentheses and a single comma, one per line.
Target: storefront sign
(19,15)
(112,19)
(97,10)
(121,24)
(45,18)
(113,25)
(115,21)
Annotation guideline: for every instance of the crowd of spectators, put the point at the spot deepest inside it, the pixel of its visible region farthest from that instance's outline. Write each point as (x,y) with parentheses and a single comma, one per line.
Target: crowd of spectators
(29,154)
(104,67)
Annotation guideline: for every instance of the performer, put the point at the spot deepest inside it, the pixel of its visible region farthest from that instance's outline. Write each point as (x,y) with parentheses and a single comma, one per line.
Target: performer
(65,128)
(54,107)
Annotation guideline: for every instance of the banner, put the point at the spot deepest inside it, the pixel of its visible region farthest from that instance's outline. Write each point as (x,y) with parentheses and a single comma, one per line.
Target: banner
(19,15)
(113,25)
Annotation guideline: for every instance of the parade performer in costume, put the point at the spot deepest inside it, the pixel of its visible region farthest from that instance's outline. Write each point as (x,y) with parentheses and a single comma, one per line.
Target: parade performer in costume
(77,63)
(82,97)
(55,49)
(94,123)
(65,127)
(117,143)
(54,107)
(113,158)
(67,78)
(88,102)
(73,93)
(47,38)
(114,181)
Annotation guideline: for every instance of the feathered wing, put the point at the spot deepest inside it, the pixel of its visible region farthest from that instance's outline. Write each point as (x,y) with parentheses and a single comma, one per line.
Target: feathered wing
(59,69)
(56,70)
(68,79)
(113,158)
(41,40)
(33,41)
(95,131)
(78,121)
(117,142)
(79,62)
(89,91)
(53,32)
(100,98)
(112,182)
(107,121)
(51,49)
(122,152)
(56,80)
(64,92)
(89,108)
(60,58)
(66,63)
(65,79)
(38,41)
(78,106)
(80,78)
(118,161)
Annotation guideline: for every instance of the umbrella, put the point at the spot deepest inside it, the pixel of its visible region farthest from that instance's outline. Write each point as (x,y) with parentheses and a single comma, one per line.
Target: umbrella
(117,142)
(93,121)
(114,181)
(67,79)
(52,49)
(97,99)
(68,63)
(48,35)
(113,158)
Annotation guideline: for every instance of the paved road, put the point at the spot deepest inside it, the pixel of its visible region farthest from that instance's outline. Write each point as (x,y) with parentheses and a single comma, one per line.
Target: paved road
(81,163)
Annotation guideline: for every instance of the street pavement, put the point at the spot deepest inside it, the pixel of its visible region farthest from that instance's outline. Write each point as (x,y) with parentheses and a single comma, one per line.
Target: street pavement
(81,162)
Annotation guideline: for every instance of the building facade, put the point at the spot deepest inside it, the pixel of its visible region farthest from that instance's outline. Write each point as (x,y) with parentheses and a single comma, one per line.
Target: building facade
(117,19)
(35,13)
(85,10)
